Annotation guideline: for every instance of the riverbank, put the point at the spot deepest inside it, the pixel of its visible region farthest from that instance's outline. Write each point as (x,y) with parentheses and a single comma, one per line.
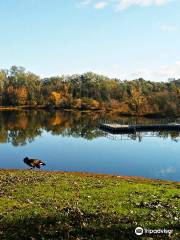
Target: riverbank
(58,205)
(86,110)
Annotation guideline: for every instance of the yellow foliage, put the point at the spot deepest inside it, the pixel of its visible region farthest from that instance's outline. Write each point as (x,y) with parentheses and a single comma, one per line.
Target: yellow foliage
(94,104)
(78,103)
(55,98)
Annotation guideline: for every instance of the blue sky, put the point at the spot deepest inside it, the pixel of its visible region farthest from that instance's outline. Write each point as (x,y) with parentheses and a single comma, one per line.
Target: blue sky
(118,38)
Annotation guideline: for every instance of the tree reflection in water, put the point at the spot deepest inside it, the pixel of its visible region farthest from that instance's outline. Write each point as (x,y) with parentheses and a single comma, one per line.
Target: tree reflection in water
(21,127)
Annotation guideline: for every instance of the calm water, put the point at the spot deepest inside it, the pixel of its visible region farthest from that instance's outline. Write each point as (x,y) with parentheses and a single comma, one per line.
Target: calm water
(71,141)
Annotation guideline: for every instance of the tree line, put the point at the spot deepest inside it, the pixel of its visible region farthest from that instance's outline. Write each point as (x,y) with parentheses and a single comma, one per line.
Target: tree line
(19,87)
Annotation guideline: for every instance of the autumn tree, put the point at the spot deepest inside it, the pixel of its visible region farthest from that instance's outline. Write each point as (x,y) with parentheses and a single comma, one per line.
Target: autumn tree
(136,100)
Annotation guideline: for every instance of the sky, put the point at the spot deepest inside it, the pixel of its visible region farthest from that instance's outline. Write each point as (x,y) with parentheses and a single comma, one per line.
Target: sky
(126,39)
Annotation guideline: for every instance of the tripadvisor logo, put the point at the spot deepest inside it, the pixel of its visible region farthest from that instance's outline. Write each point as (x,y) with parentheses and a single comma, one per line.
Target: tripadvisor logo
(139,231)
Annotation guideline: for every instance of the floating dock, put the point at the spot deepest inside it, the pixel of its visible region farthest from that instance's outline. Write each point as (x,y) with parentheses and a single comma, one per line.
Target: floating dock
(118,128)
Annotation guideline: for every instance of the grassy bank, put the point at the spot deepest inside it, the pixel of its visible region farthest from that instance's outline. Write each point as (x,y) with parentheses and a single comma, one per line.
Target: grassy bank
(45,205)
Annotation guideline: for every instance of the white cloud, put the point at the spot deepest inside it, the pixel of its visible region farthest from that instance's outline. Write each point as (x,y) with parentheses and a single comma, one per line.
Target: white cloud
(168,28)
(124,4)
(100,5)
(168,170)
(86,2)
(160,74)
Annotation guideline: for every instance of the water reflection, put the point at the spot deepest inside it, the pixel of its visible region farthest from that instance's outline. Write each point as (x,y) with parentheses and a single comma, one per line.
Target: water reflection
(22,127)
(71,141)
(139,136)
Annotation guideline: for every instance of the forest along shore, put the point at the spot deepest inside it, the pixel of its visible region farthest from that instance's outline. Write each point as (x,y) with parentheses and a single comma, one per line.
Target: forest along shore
(47,205)
(89,91)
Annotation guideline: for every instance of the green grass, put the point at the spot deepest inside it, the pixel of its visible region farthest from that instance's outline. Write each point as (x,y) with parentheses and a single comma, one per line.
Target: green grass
(44,205)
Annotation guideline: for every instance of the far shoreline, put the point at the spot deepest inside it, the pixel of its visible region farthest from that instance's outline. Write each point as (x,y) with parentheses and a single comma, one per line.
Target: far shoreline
(103,110)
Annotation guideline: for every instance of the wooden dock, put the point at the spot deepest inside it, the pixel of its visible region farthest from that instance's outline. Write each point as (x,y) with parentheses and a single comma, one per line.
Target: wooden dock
(118,128)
